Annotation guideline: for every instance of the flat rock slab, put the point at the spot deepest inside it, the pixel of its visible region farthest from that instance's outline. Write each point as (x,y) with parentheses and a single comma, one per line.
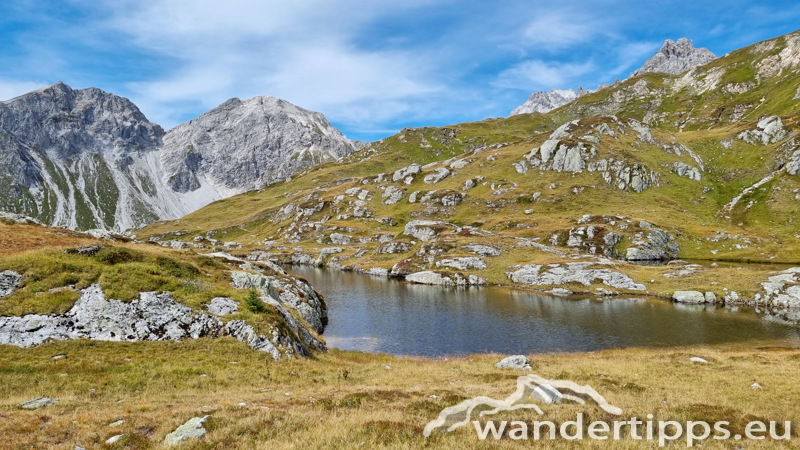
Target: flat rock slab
(193,429)
(38,403)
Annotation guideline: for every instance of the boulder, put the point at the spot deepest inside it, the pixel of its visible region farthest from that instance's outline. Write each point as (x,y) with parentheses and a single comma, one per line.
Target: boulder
(429,277)
(657,245)
(222,306)
(409,171)
(9,280)
(37,403)
(519,362)
(469,262)
(377,271)
(392,195)
(689,297)
(437,176)
(193,429)
(426,230)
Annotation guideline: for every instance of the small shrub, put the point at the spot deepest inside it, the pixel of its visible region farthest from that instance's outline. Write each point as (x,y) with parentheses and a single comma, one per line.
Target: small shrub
(177,268)
(254,303)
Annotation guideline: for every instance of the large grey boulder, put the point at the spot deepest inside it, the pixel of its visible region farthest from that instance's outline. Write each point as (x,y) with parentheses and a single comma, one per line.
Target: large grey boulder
(519,362)
(9,280)
(192,429)
(392,195)
(438,175)
(406,172)
(655,245)
(426,230)
(689,297)
(768,130)
(430,277)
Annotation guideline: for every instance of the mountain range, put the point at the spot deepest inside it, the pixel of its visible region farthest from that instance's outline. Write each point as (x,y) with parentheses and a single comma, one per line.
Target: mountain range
(86,159)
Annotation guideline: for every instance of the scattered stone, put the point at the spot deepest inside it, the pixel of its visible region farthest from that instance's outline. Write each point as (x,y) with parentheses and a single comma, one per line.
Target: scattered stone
(117,423)
(193,429)
(756,386)
(113,439)
(37,403)
(222,306)
(658,245)
(519,362)
(697,359)
(57,357)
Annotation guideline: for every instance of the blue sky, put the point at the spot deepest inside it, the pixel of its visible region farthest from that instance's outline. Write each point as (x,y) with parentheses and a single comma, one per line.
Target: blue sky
(372,67)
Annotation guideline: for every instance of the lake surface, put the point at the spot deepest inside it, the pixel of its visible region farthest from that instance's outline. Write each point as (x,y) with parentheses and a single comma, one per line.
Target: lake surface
(375,314)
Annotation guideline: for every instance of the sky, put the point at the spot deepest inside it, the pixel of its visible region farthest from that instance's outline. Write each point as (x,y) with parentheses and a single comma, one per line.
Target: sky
(372,67)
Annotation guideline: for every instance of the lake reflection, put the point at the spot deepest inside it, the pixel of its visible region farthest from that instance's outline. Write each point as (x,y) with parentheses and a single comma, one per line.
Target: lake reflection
(375,314)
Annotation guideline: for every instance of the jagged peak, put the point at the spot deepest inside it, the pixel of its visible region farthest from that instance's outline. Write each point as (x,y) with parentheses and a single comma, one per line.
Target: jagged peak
(676,57)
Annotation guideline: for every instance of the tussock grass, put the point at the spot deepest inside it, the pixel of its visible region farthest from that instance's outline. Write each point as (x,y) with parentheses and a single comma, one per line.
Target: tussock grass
(350,400)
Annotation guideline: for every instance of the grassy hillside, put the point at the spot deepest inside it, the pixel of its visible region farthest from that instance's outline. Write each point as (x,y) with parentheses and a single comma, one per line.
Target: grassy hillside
(739,204)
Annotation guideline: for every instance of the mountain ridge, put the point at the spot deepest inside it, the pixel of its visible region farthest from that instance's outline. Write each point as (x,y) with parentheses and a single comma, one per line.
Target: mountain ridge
(86,158)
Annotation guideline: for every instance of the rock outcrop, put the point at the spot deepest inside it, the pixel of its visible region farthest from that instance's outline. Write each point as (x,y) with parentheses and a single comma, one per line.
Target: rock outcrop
(676,57)
(652,244)
(152,317)
(564,274)
(8,282)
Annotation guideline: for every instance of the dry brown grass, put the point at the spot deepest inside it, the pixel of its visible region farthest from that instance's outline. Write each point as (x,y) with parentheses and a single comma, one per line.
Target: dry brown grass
(23,238)
(350,400)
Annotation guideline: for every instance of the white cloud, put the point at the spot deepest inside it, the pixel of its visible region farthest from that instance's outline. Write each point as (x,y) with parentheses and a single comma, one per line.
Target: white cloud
(303,52)
(555,30)
(536,74)
(11,88)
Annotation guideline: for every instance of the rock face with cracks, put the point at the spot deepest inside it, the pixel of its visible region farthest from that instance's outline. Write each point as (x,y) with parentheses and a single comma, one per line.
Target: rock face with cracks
(580,273)
(152,317)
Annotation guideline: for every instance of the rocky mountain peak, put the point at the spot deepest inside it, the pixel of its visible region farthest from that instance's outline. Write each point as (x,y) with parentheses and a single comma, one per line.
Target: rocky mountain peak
(676,57)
